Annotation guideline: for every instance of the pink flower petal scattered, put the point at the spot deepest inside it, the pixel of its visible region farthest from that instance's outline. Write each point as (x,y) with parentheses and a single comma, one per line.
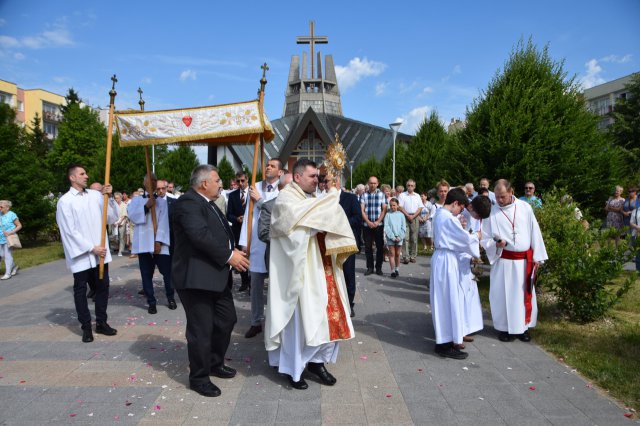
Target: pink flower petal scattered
(364,357)
(152,323)
(589,386)
(388,395)
(157,408)
(1,358)
(23,381)
(116,417)
(628,415)
(72,415)
(532,388)
(133,378)
(247,360)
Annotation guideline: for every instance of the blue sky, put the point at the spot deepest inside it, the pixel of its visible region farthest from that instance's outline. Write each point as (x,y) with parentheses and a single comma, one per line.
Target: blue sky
(394,59)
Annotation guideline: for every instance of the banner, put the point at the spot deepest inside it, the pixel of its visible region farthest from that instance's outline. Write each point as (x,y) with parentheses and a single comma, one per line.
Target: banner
(231,123)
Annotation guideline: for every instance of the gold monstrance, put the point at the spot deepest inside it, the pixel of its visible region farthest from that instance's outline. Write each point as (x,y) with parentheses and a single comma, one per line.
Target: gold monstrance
(335,158)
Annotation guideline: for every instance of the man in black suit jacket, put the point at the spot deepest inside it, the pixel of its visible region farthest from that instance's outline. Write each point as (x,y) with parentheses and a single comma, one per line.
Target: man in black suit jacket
(204,252)
(235,216)
(351,206)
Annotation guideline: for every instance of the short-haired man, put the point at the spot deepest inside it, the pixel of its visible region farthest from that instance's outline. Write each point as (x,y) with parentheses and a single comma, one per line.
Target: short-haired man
(261,192)
(79,218)
(374,207)
(484,183)
(513,242)
(307,308)
(446,296)
(152,245)
(530,195)
(202,260)
(411,206)
(235,215)
(171,189)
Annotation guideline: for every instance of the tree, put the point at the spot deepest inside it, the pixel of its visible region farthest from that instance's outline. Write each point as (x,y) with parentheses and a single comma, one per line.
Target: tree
(72,98)
(625,131)
(24,181)
(226,172)
(37,140)
(81,139)
(128,166)
(177,165)
(531,124)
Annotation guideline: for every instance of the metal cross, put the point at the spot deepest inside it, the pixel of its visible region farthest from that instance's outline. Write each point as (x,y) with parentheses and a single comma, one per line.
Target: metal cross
(141,101)
(264,68)
(312,40)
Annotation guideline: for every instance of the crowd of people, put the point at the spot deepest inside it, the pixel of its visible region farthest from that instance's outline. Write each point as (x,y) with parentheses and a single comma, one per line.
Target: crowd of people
(303,236)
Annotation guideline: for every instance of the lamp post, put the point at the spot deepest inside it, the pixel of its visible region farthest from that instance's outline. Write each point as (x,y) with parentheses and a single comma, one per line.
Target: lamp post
(394,128)
(351,174)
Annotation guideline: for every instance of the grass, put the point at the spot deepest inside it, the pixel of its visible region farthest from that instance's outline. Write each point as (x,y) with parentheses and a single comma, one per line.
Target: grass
(606,352)
(36,253)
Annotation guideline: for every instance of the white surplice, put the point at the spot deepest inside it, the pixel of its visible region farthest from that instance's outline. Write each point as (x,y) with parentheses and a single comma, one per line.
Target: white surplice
(79,217)
(507,290)
(445,284)
(297,322)
(258,248)
(143,235)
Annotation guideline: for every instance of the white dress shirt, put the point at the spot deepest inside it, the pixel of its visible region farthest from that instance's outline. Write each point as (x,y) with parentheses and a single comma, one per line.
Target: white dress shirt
(79,217)
(411,203)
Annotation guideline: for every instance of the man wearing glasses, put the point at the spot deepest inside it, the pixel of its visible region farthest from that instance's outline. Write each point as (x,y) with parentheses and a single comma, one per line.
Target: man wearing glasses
(374,207)
(235,215)
(530,197)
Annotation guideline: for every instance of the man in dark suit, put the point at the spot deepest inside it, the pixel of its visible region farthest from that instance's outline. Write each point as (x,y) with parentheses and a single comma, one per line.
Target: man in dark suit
(235,215)
(351,206)
(204,252)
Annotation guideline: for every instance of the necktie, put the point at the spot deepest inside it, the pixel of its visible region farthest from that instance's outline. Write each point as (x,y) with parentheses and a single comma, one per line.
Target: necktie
(269,188)
(242,199)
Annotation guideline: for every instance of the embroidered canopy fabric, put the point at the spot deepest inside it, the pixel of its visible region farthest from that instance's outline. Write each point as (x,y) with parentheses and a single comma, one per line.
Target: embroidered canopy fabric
(230,123)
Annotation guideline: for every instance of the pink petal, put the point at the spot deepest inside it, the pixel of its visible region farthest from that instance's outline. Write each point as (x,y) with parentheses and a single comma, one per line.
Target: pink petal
(364,357)
(388,395)
(23,381)
(72,415)
(532,388)
(157,408)
(628,415)
(152,323)
(116,417)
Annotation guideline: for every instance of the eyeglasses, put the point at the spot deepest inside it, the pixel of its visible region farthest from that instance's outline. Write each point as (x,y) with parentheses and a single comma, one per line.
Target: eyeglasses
(241,180)
(528,187)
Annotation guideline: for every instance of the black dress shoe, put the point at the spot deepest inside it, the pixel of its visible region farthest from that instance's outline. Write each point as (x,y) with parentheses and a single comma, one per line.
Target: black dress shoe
(379,272)
(253,331)
(87,335)
(368,272)
(524,337)
(104,328)
(244,287)
(152,309)
(224,372)
(505,337)
(207,389)
(172,304)
(321,371)
(141,292)
(300,384)
(91,294)
(447,350)
(353,312)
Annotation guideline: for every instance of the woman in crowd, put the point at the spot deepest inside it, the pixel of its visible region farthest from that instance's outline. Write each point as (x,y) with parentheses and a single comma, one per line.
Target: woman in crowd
(424,231)
(629,205)
(395,229)
(614,208)
(9,225)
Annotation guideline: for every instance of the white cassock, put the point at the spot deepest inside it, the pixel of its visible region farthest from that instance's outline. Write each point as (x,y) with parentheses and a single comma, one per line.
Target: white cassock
(507,291)
(256,255)
(445,285)
(306,313)
(473,321)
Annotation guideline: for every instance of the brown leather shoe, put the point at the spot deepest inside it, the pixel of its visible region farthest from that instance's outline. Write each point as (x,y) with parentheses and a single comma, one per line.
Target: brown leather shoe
(467,339)
(253,331)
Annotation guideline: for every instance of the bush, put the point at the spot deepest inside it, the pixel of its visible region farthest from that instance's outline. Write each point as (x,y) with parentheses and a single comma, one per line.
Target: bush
(583,263)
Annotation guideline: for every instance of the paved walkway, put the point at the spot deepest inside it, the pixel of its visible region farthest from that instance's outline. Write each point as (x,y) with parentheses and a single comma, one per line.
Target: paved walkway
(387,375)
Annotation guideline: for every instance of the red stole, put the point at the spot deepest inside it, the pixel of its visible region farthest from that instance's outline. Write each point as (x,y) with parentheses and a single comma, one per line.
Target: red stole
(336,315)
(528,270)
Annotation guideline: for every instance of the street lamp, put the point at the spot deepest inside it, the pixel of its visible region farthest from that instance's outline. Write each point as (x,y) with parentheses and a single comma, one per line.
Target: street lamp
(394,127)
(351,174)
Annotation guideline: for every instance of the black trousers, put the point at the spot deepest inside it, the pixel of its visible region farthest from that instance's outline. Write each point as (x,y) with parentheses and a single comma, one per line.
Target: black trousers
(349,268)
(371,235)
(210,319)
(148,263)
(80,281)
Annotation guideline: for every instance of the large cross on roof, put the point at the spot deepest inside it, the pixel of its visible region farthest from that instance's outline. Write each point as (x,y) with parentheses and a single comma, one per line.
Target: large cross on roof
(312,40)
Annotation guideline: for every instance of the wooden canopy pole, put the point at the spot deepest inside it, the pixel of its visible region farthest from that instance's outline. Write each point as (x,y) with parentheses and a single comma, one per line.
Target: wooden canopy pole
(149,188)
(107,171)
(256,148)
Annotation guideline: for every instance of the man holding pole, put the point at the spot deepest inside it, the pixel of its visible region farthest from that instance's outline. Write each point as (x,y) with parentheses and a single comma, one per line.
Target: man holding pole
(79,217)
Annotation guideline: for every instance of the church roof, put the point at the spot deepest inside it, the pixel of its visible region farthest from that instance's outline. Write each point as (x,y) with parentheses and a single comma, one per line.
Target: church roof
(361,141)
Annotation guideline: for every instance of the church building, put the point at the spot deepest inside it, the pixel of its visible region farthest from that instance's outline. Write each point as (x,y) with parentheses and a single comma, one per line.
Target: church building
(312,115)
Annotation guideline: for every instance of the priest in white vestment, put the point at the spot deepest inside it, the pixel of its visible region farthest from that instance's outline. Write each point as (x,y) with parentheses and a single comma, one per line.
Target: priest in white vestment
(446,289)
(307,307)
(513,241)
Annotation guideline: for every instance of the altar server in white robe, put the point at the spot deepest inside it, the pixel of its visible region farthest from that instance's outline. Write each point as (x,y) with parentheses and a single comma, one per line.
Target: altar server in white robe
(478,209)
(308,305)
(513,241)
(261,192)
(446,291)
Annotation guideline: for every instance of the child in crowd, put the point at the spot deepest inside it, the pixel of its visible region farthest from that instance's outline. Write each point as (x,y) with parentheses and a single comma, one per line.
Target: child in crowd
(395,229)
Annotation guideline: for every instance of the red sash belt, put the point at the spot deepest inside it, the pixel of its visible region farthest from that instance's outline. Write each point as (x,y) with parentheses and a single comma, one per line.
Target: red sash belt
(528,270)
